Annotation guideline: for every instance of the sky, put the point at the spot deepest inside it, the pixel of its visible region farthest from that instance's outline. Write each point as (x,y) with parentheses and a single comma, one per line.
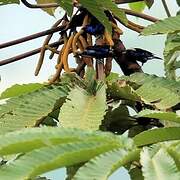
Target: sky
(18,21)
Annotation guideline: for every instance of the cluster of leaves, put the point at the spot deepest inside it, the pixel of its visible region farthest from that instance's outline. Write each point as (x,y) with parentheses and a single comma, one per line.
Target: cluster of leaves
(80,108)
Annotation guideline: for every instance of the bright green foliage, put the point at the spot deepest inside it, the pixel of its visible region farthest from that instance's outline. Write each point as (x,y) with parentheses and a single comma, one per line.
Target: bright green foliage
(4,2)
(101,167)
(28,110)
(50,148)
(83,110)
(160,166)
(172,46)
(157,135)
(168,25)
(34,138)
(48,158)
(137,6)
(166,116)
(17,90)
(157,91)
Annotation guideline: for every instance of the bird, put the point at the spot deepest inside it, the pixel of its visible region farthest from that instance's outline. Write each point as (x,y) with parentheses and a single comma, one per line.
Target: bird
(97,51)
(141,55)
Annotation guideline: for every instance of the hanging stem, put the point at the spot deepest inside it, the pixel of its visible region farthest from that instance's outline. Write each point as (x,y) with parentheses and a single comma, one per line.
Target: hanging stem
(166,8)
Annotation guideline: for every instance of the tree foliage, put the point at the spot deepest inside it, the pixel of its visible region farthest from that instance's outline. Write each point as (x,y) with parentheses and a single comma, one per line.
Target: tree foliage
(82,106)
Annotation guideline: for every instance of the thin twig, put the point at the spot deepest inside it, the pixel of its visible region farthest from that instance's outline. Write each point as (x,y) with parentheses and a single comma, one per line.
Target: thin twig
(48,5)
(129,25)
(27,54)
(55,5)
(43,49)
(166,8)
(141,15)
(33,36)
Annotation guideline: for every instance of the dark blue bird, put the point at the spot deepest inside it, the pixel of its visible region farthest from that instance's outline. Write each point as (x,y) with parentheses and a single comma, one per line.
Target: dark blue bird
(141,55)
(98,51)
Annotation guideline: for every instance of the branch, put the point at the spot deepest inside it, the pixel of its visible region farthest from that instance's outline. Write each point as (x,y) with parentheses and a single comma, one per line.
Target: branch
(33,36)
(126,1)
(141,15)
(54,5)
(25,55)
(166,8)
(48,5)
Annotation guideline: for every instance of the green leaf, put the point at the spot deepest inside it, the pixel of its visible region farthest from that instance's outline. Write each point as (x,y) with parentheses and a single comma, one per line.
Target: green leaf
(157,91)
(101,167)
(17,90)
(5,2)
(50,11)
(168,25)
(96,9)
(83,110)
(29,109)
(166,116)
(117,120)
(157,135)
(34,138)
(171,54)
(174,151)
(121,90)
(137,6)
(161,166)
(66,5)
(136,174)
(48,158)
(111,6)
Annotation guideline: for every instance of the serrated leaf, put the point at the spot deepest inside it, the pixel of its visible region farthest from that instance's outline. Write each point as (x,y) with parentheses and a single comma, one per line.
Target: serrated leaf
(66,5)
(166,116)
(137,6)
(158,91)
(26,110)
(83,110)
(101,167)
(157,135)
(5,2)
(33,138)
(171,54)
(168,25)
(45,159)
(161,166)
(50,11)
(17,90)
(174,151)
